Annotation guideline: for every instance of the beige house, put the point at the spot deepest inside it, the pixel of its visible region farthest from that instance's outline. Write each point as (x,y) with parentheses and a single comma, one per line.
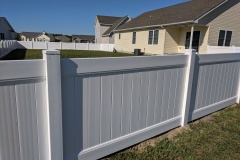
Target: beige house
(37,36)
(83,38)
(197,23)
(105,27)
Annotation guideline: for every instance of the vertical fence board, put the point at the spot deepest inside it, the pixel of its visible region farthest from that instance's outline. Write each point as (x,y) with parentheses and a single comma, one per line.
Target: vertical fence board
(116,105)
(126,106)
(94,111)
(143,99)
(135,102)
(106,105)
(151,97)
(158,98)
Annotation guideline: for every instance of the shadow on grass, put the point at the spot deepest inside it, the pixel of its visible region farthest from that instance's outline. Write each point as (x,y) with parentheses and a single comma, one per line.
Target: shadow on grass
(18,54)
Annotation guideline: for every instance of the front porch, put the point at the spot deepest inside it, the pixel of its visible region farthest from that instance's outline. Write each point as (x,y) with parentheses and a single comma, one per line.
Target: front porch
(178,38)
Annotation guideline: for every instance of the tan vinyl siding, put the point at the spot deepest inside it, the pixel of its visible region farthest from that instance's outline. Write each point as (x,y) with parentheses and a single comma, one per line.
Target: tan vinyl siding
(171,40)
(125,43)
(204,32)
(228,20)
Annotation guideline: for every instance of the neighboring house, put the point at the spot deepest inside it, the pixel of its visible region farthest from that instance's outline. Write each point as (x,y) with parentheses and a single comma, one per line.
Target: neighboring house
(105,27)
(6,30)
(169,30)
(83,38)
(37,36)
(62,39)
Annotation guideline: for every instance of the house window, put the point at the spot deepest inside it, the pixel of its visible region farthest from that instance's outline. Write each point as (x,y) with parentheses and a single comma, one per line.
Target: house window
(2,37)
(134,38)
(153,37)
(119,36)
(224,38)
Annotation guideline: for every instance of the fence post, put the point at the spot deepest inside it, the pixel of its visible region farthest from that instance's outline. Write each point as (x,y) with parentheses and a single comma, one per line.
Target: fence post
(60,45)
(88,46)
(75,45)
(46,44)
(1,53)
(238,99)
(54,103)
(32,44)
(188,85)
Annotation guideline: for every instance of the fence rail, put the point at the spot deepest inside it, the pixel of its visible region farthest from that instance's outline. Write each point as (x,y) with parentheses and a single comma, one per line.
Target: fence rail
(222,49)
(64,46)
(72,109)
(6,47)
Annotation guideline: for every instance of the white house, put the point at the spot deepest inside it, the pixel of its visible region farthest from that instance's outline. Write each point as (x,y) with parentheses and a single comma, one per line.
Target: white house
(6,30)
(105,26)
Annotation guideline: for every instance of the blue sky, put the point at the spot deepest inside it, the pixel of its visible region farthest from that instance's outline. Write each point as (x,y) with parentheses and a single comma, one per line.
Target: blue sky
(71,16)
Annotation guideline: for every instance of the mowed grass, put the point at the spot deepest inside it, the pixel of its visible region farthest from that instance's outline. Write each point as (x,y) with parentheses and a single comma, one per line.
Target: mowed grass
(37,54)
(216,137)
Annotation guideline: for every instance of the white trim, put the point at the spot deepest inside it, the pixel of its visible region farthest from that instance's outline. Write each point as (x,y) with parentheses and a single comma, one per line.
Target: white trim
(159,25)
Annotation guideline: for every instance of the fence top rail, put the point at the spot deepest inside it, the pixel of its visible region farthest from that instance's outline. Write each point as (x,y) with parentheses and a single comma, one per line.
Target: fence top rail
(93,65)
(21,69)
(222,57)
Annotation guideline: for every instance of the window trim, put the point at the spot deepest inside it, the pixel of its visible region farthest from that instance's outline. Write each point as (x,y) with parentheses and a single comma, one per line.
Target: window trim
(134,37)
(153,37)
(225,38)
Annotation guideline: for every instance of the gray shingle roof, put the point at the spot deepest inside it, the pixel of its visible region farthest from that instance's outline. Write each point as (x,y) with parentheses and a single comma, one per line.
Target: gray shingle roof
(31,34)
(107,19)
(63,38)
(115,24)
(183,12)
(84,37)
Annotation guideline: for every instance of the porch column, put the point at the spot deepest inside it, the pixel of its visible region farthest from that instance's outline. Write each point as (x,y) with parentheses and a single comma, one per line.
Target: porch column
(191,38)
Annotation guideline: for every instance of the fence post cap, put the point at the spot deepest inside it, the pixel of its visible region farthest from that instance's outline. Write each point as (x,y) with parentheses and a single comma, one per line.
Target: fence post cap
(51,52)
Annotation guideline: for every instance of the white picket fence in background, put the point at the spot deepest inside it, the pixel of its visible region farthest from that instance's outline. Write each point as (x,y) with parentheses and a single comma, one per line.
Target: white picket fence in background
(64,46)
(68,109)
(222,49)
(6,47)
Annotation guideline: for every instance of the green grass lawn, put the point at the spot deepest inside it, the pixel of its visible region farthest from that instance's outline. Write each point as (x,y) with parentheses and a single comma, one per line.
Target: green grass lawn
(37,54)
(215,137)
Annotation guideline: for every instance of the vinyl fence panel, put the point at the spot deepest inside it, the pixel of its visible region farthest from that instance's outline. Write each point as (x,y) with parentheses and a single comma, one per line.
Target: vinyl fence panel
(68,109)
(216,81)
(23,111)
(118,103)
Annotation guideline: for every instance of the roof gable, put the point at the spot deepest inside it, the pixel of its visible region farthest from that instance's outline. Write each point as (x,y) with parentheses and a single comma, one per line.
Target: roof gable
(4,19)
(108,20)
(116,24)
(183,12)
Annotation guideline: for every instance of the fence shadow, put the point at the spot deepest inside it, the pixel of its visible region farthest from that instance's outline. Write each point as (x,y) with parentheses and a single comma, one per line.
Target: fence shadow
(17,54)
(194,87)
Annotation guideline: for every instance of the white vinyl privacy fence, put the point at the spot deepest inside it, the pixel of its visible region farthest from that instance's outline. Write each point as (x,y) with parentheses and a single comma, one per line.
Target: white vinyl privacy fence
(82,109)
(64,46)
(222,49)
(6,47)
